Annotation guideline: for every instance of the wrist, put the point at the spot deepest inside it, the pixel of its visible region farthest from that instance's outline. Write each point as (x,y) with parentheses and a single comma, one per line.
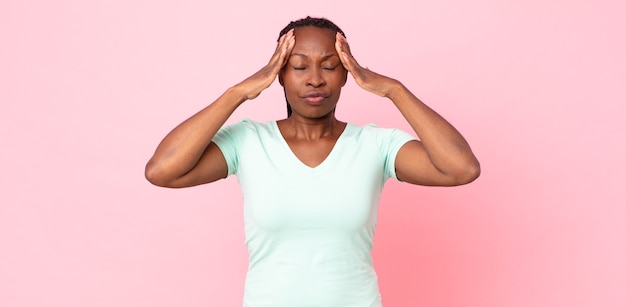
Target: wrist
(394,89)
(236,94)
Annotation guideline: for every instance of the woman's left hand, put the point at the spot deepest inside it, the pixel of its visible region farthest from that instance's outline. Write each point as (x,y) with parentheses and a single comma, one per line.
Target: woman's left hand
(365,78)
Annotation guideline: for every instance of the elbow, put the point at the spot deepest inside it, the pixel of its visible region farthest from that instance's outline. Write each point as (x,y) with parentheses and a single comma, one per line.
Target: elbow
(469,173)
(155,175)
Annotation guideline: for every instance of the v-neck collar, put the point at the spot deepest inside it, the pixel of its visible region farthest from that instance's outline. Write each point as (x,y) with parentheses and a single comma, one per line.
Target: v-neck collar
(297,161)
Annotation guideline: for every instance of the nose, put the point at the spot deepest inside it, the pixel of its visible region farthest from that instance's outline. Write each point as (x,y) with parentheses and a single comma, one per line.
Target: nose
(315,78)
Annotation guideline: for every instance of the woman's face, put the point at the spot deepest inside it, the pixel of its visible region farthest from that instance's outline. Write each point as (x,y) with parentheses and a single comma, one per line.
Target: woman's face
(313,76)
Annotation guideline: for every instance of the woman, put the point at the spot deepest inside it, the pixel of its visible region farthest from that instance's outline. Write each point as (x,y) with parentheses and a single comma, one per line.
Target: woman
(311,183)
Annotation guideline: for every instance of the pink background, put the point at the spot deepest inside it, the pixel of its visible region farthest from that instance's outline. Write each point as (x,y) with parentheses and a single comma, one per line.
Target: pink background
(89,88)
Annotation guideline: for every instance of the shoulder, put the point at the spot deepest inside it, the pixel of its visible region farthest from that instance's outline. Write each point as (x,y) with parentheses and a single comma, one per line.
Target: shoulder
(372,132)
(241,139)
(246,125)
(247,132)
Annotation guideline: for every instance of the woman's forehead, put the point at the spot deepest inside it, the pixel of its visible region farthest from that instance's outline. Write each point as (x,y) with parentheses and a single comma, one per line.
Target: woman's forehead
(314,40)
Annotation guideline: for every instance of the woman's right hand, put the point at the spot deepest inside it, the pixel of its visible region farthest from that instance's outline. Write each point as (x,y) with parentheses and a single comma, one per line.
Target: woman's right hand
(252,86)
(187,156)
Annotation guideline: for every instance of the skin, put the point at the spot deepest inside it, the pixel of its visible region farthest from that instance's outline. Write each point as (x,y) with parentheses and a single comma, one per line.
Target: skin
(313,70)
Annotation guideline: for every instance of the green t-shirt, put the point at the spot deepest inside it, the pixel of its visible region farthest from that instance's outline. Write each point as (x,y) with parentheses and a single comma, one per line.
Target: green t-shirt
(308,229)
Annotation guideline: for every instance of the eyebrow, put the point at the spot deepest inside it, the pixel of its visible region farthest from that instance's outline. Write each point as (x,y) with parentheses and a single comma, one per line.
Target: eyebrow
(326,57)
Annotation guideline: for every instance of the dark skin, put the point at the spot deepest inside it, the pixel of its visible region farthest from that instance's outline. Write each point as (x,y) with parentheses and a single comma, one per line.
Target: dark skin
(313,70)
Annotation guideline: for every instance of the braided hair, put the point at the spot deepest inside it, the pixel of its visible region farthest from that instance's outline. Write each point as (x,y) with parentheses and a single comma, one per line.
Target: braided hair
(309,21)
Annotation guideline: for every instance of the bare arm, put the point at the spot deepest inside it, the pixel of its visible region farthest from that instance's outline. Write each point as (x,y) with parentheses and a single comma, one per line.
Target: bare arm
(442,157)
(187,156)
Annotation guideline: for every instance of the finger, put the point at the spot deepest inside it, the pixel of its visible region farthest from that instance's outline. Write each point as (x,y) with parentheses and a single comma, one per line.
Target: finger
(285,37)
(343,49)
(340,52)
(279,43)
(281,49)
(344,43)
(288,44)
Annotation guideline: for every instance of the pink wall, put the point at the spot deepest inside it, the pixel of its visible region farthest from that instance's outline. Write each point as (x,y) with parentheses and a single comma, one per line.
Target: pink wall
(88,89)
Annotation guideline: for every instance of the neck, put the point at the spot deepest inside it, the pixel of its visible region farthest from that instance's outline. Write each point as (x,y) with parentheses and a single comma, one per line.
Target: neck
(299,127)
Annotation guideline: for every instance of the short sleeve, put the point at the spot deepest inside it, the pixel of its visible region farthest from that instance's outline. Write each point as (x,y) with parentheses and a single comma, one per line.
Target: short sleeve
(391,142)
(230,140)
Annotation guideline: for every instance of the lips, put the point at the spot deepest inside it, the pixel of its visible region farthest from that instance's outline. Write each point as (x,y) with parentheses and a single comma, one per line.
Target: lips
(314,97)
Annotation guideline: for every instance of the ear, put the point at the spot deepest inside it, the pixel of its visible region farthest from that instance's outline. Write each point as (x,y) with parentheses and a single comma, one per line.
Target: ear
(280,77)
(345,77)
